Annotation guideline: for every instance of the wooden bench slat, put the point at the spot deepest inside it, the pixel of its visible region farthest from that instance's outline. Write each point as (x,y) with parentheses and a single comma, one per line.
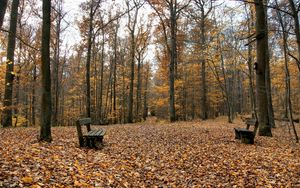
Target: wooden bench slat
(99,132)
(85,121)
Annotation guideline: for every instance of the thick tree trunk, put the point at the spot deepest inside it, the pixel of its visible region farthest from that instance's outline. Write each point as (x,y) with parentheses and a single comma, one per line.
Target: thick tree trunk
(173,60)
(296,26)
(3,5)
(45,133)
(269,96)
(132,63)
(262,61)
(204,108)
(9,74)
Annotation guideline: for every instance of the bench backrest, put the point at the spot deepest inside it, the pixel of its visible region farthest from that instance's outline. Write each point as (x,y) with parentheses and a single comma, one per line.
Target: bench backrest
(84,121)
(251,121)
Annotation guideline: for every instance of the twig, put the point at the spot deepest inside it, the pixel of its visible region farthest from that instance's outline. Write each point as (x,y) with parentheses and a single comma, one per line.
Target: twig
(21,40)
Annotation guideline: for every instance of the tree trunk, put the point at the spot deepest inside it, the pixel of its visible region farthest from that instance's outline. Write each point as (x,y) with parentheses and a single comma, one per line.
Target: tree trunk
(115,75)
(132,62)
(88,63)
(56,63)
(101,78)
(173,60)
(262,61)
(9,74)
(296,26)
(3,5)
(145,111)
(204,108)
(138,88)
(45,133)
(33,96)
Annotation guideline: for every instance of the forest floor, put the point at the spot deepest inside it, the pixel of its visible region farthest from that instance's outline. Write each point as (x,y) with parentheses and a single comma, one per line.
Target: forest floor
(151,154)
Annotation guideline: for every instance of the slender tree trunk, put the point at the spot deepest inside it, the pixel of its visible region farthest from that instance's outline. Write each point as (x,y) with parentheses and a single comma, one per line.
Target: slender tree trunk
(289,108)
(101,78)
(45,134)
(115,75)
(56,64)
(33,96)
(145,111)
(88,62)
(9,74)
(3,5)
(262,61)
(138,88)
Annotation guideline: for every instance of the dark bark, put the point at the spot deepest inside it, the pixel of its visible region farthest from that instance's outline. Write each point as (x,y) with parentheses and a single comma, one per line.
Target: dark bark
(173,60)
(9,74)
(296,26)
(33,96)
(145,111)
(45,133)
(3,5)
(262,52)
(115,74)
(138,87)
(204,108)
(101,78)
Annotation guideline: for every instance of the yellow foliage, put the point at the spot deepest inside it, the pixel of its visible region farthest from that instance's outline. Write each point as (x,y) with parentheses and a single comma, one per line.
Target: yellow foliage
(21,121)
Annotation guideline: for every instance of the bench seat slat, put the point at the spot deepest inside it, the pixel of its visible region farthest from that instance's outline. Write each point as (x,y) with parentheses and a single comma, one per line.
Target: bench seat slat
(95,133)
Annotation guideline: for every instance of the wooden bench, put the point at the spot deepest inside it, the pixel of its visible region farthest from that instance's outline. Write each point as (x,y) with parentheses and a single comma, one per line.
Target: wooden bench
(93,138)
(245,135)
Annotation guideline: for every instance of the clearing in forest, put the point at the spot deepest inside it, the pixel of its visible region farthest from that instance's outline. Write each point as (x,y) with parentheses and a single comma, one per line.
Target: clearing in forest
(182,154)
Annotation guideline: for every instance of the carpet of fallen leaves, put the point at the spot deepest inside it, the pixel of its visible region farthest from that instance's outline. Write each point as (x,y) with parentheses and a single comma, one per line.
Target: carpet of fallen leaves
(150,154)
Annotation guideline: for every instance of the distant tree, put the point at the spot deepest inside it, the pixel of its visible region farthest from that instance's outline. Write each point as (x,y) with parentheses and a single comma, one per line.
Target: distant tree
(46,108)
(204,8)
(3,5)
(9,75)
(168,13)
(262,52)
(132,22)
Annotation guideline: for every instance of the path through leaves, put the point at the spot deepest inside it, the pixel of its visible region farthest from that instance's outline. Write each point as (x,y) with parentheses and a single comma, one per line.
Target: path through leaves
(193,154)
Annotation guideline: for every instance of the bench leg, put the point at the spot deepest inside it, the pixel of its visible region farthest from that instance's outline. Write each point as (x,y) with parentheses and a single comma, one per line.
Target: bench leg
(237,134)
